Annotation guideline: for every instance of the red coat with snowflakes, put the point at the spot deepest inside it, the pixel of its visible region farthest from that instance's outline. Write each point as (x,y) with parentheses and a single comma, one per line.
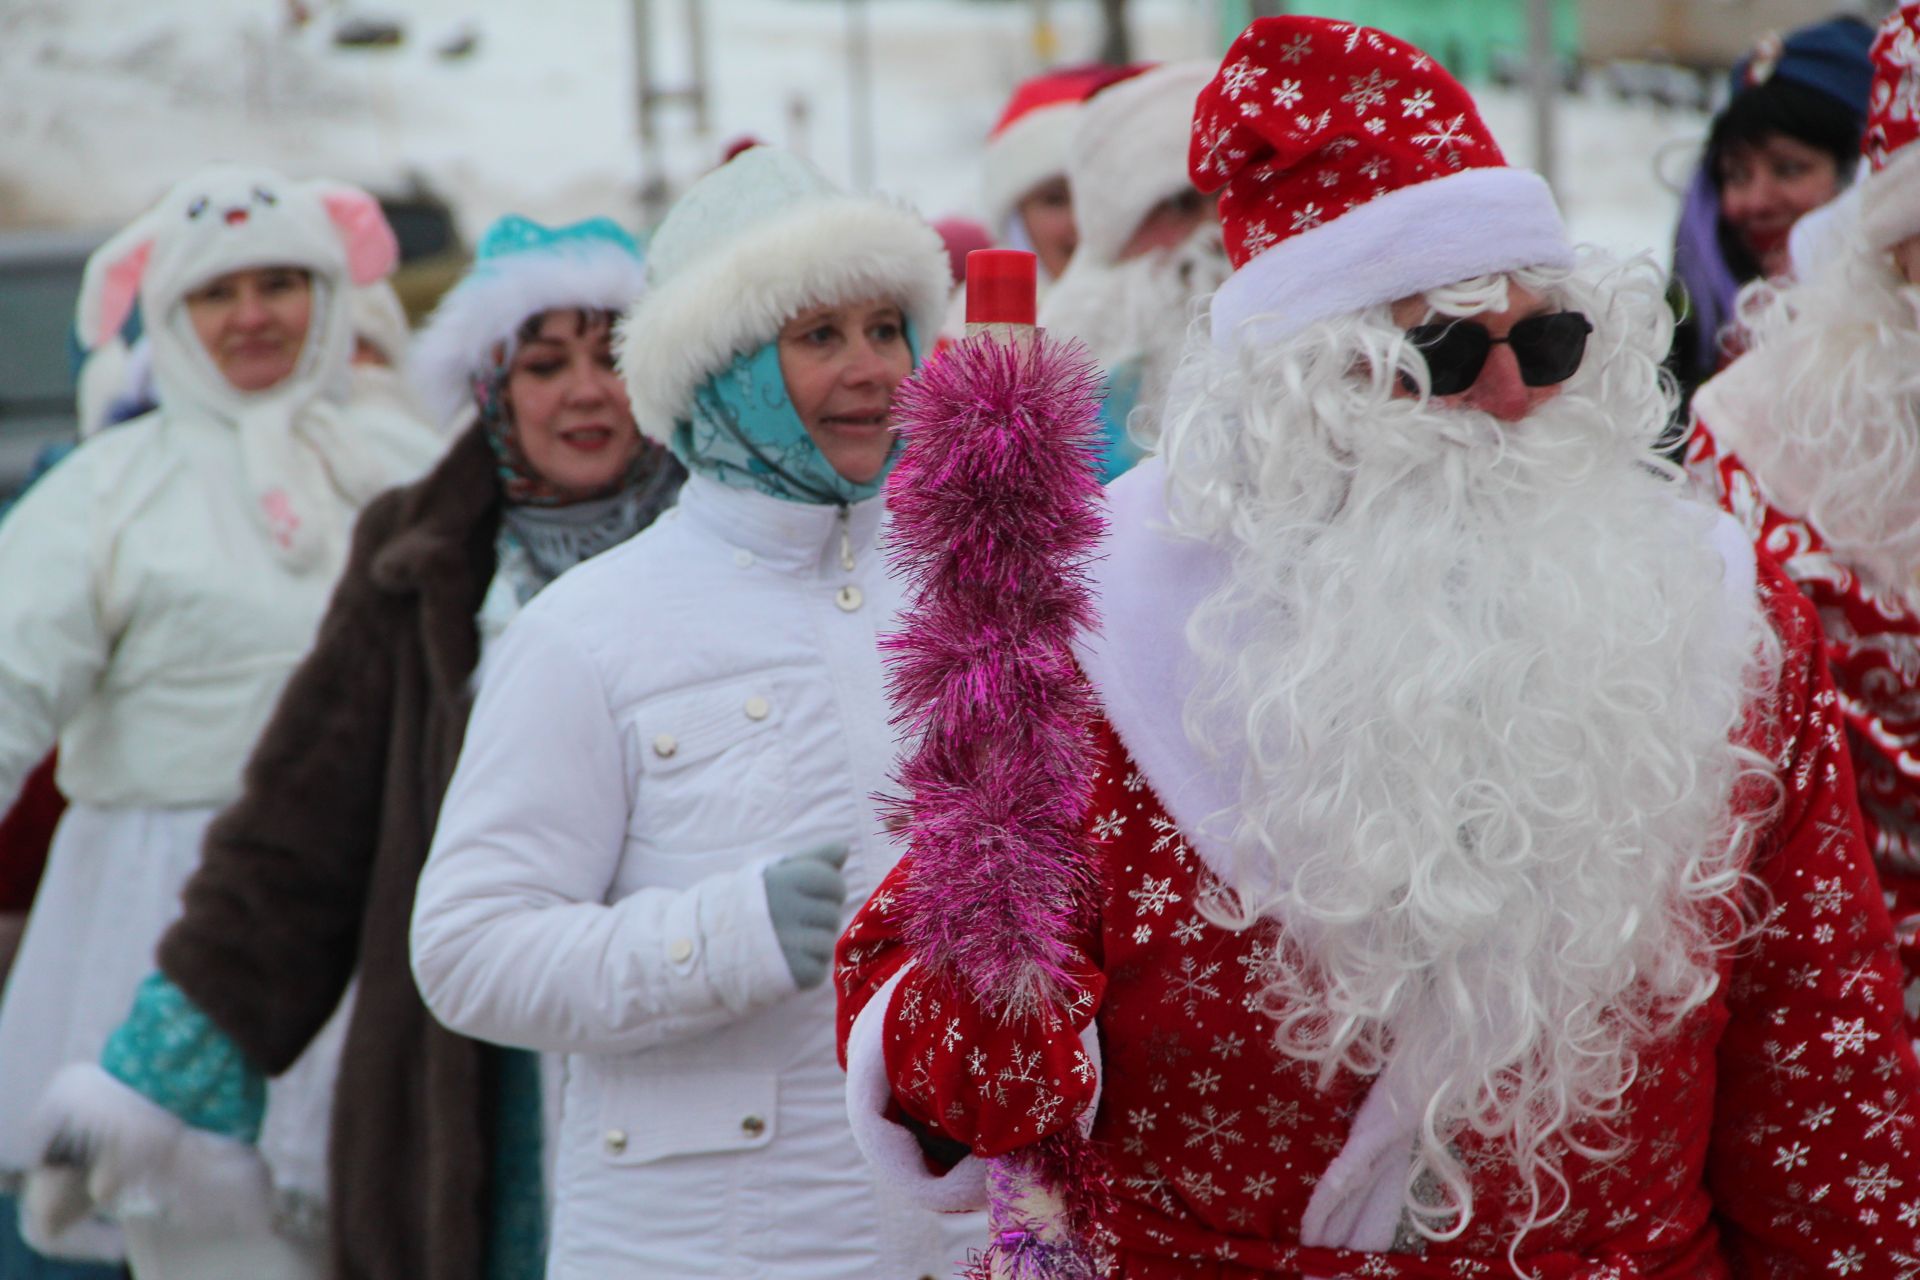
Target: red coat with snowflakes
(1774,1135)
(1873,647)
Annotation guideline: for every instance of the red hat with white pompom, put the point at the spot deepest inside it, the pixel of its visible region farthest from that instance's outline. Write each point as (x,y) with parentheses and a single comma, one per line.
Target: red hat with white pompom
(1890,197)
(1353,171)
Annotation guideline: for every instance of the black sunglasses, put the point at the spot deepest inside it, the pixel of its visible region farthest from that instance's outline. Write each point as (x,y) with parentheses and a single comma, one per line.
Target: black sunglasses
(1548,349)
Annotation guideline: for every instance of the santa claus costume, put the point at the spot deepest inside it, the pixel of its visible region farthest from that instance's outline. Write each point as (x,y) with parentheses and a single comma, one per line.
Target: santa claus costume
(1468,878)
(1812,441)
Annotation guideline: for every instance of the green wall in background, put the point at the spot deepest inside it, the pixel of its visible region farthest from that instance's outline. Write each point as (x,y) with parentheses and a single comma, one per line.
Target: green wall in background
(1463,34)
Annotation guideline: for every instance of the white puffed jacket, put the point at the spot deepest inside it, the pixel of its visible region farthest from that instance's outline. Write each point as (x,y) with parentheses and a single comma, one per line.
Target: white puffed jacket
(656,727)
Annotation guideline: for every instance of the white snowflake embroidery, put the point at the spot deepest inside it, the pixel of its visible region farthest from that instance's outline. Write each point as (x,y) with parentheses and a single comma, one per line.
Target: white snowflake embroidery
(1439,136)
(1287,94)
(1367,92)
(1240,77)
(1153,897)
(1309,217)
(1215,1130)
(1849,1037)
(1417,105)
(1257,238)
(1110,826)
(1295,50)
(1872,1182)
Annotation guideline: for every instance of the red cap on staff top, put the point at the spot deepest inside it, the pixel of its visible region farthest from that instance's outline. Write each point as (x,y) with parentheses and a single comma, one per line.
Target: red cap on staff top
(1000,286)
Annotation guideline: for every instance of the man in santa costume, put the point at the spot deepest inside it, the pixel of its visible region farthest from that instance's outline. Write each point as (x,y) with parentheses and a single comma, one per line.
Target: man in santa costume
(1150,244)
(1812,441)
(1473,883)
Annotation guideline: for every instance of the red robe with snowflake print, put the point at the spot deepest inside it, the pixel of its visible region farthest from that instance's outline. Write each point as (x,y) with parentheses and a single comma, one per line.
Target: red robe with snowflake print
(1772,1135)
(1873,649)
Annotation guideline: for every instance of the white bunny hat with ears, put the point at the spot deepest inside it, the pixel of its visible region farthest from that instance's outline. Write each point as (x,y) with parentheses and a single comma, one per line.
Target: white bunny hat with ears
(228,218)
(294,438)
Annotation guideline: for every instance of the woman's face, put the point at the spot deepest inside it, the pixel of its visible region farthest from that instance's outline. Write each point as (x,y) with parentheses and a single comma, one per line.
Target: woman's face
(569,407)
(253,323)
(1047,214)
(841,365)
(1765,187)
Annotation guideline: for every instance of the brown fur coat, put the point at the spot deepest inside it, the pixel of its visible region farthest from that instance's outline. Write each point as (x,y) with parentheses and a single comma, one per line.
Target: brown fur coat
(308,879)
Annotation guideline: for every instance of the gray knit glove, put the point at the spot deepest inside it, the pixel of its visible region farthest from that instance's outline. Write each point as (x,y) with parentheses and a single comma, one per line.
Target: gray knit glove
(805,892)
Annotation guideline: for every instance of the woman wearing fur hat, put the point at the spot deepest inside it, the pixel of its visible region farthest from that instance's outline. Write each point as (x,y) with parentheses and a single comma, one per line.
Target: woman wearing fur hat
(164,580)
(1812,439)
(434,1170)
(664,799)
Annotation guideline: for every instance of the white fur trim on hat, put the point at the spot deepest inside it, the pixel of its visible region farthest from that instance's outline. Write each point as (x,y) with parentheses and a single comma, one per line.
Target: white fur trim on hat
(1472,223)
(750,246)
(1129,153)
(1022,156)
(1890,200)
(496,298)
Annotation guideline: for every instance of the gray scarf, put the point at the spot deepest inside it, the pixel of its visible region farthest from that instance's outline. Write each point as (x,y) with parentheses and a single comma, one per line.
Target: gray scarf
(538,544)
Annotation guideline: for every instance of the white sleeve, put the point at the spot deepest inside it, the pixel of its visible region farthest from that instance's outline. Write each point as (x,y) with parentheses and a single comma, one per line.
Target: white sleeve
(53,645)
(513,940)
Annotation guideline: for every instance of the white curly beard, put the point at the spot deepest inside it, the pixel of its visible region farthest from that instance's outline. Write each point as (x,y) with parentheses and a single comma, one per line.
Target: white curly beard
(1824,410)
(1485,678)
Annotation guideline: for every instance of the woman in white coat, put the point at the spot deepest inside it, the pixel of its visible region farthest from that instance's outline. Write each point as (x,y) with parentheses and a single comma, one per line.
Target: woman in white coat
(665,794)
(163,581)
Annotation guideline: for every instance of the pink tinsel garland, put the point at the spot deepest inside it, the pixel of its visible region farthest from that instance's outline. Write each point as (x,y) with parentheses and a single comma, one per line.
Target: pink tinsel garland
(996,512)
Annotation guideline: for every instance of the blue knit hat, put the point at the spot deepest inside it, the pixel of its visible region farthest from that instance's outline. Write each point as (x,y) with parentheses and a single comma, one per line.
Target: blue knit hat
(1830,56)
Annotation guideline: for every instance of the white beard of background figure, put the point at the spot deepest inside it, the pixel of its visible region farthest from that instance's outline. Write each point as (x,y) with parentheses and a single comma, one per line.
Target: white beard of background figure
(1135,317)
(1431,611)
(1830,418)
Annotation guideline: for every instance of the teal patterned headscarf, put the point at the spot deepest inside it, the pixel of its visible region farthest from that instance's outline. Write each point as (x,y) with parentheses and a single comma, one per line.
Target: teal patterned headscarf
(745,433)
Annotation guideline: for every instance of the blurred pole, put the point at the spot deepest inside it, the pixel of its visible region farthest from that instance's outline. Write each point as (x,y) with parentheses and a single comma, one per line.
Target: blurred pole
(860,83)
(1046,41)
(653,178)
(1543,83)
(702,72)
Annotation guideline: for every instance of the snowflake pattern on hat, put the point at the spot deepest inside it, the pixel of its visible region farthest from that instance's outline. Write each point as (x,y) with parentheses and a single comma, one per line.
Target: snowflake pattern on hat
(1310,118)
(1893,103)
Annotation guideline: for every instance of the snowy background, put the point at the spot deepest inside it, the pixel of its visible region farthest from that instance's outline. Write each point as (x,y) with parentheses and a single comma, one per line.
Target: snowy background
(104,102)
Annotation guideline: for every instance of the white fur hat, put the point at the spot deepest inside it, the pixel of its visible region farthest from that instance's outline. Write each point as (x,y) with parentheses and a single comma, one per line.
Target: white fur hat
(520,269)
(1129,153)
(746,248)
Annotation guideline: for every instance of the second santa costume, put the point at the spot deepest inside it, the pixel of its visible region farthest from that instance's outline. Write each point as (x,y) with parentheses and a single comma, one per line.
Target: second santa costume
(1812,441)
(1471,881)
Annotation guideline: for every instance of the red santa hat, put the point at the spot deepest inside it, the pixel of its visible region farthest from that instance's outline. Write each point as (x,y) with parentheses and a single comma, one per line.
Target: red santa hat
(1028,144)
(1353,171)
(1890,198)
(1129,153)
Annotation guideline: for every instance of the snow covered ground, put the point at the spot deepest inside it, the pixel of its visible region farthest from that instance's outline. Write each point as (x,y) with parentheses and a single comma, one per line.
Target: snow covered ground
(103,102)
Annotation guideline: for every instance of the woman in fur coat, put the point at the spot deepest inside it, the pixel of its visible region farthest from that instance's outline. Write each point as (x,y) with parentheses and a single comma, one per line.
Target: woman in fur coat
(162,583)
(666,793)
(294,926)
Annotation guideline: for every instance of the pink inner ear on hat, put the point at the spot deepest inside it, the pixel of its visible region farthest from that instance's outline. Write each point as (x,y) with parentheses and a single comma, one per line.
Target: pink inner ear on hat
(117,293)
(372,252)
